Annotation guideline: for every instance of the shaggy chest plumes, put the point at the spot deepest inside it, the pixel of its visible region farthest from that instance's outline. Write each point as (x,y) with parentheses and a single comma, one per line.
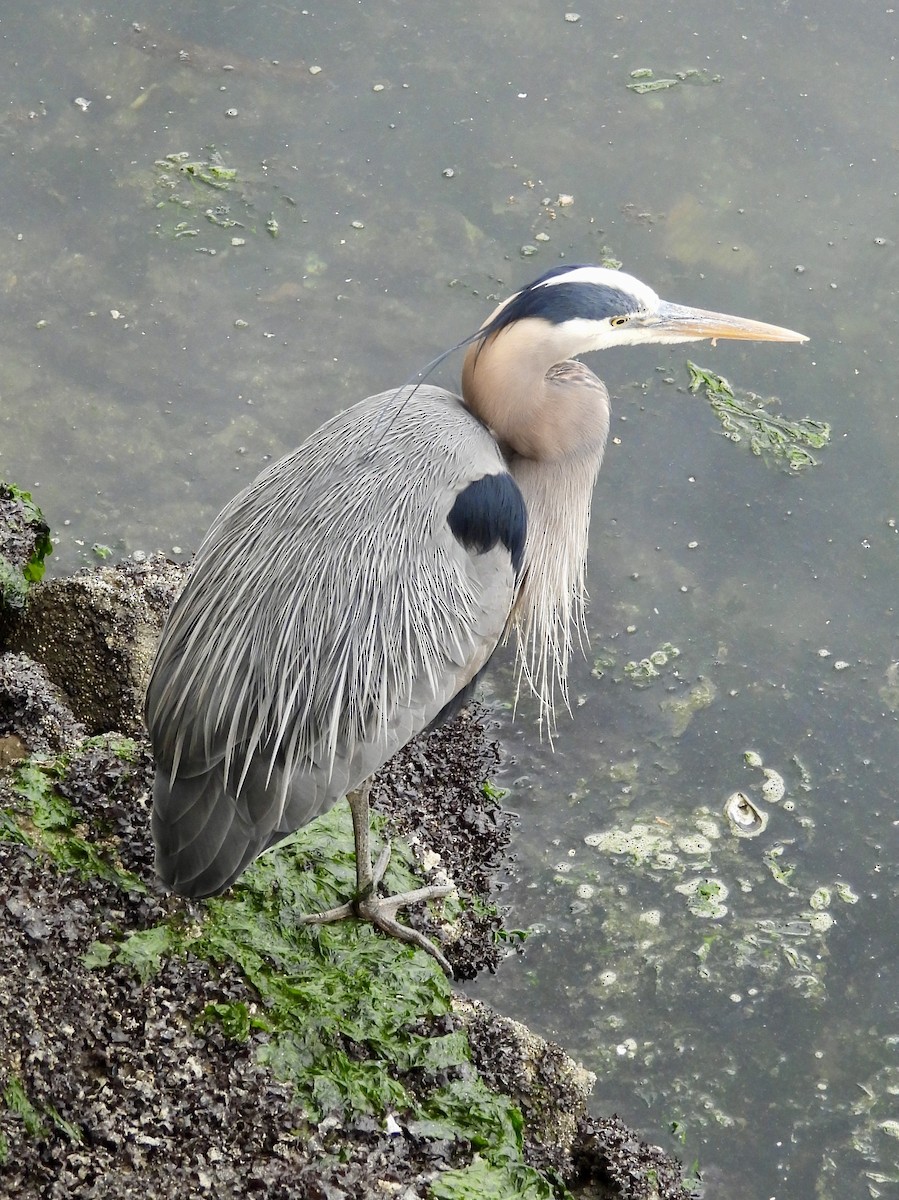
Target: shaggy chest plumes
(552,418)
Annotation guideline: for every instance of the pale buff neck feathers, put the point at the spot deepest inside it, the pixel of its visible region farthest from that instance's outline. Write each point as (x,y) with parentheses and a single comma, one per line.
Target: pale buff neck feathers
(550,414)
(538,403)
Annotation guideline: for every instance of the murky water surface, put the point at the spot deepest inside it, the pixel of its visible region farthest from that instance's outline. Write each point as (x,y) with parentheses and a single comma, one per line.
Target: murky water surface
(222,224)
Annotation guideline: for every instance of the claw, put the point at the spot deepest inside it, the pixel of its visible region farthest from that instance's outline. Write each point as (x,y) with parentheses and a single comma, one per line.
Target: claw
(380,911)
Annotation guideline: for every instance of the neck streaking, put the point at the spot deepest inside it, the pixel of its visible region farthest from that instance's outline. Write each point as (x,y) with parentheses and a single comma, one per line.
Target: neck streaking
(552,420)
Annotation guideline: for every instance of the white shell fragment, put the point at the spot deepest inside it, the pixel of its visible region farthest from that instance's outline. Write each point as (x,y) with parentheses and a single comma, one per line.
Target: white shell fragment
(773,788)
(746,820)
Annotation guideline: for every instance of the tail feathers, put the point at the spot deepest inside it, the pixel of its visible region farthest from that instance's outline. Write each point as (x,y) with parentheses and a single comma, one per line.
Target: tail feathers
(204,837)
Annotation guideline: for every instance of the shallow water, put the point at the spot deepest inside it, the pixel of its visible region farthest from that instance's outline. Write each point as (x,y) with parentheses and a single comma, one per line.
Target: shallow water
(143,379)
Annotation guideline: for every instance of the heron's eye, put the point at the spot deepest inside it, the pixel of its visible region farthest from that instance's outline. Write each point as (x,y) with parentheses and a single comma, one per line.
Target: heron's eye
(617,322)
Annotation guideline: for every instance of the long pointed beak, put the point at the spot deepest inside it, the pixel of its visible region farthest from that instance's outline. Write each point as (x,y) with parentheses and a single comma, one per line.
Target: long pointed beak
(684,324)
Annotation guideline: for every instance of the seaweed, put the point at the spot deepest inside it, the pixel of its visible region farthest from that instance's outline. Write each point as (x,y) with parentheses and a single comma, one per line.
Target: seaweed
(771,437)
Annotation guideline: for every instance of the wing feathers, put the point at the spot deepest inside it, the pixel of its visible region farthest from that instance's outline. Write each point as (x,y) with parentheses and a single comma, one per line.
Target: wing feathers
(331,613)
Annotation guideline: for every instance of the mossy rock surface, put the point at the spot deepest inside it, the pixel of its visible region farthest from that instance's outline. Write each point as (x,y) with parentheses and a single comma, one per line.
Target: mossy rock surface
(24,544)
(177,1042)
(153,1047)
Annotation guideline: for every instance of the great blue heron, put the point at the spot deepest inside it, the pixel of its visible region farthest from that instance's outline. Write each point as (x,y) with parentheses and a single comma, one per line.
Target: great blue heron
(350,596)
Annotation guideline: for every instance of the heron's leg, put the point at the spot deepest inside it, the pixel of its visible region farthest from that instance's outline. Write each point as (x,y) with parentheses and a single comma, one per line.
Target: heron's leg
(365,876)
(366,879)
(380,911)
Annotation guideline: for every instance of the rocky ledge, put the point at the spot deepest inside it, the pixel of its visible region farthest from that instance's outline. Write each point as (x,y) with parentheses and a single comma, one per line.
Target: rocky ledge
(154,1047)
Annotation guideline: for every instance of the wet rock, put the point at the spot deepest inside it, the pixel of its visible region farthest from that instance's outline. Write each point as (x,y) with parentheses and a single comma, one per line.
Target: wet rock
(33,712)
(550,1088)
(611,1161)
(12,749)
(24,541)
(96,634)
(114,1085)
(122,1097)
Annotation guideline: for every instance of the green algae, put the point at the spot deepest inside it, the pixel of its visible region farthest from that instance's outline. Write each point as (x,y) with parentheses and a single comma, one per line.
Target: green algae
(35,1116)
(210,170)
(16,1100)
(642,673)
(645,81)
(360,1025)
(639,672)
(24,526)
(40,816)
(342,1013)
(776,439)
(482,1180)
(772,921)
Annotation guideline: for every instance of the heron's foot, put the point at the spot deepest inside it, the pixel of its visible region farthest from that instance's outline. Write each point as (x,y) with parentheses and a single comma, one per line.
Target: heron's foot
(381,911)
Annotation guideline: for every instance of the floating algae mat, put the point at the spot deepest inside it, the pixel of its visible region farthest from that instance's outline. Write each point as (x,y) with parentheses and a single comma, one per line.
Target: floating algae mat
(203,192)
(644,79)
(741,908)
(746,418)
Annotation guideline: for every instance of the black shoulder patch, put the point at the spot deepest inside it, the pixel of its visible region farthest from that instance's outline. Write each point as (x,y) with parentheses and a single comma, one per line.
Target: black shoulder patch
(491,510)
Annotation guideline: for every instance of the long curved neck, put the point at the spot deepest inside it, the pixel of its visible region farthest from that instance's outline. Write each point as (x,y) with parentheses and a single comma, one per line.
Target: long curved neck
(552,420)
(515,384)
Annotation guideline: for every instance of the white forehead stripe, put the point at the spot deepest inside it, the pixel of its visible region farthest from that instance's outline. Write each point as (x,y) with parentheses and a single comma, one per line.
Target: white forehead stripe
(606,277)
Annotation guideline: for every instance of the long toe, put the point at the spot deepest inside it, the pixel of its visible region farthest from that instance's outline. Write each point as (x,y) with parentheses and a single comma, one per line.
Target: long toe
(381,912)
(329,914)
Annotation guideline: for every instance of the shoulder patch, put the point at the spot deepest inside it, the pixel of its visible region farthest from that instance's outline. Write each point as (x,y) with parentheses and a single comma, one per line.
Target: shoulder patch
(491,510)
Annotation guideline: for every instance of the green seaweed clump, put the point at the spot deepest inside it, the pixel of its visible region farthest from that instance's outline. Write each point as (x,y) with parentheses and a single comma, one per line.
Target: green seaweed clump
(211,171)
(42,817)
(359,1024)
(27,536)
(770,437)
(641,673)
(645,81)
(16,1100)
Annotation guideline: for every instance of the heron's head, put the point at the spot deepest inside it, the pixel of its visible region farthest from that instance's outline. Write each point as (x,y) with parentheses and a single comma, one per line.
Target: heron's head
(508,376)
(572,310)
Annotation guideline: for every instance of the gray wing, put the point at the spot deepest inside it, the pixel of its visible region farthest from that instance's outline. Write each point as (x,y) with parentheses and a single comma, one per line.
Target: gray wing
(334,609)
